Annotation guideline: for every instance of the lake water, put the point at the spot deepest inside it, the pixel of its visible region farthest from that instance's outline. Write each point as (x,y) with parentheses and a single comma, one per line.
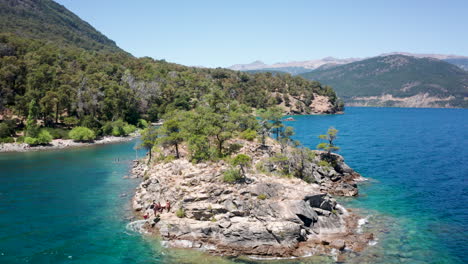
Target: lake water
(72,206)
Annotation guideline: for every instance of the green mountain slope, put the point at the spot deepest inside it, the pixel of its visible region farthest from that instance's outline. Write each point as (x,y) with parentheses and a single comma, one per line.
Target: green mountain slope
(48,20)
(397,80)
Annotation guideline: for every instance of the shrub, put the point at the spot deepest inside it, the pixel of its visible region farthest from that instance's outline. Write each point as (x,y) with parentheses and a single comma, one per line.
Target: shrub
(20,139)
(324,163)
(5,130)
(231,176)
(70,121)
(118,128)
(7,140)
(128,129)
(118,131)
(82,134)
(142,123)
(180,213)
(262,196)
(57,133)
(42,138)
(249,135)
(90,122)
(31,141)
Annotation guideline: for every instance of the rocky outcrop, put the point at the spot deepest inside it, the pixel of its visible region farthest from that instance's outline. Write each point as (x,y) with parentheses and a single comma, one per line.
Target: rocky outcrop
(297,105)
(263,215)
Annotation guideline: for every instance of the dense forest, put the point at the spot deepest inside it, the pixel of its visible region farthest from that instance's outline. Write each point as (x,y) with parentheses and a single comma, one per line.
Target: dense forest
(73,86)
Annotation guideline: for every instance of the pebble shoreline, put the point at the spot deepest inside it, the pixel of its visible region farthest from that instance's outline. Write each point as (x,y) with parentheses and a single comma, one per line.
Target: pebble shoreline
(63,144)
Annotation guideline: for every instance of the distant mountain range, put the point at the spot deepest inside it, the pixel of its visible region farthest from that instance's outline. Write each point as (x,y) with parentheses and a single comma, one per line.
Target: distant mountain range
(295,67)
(397,80)
(48,20)
(298,67)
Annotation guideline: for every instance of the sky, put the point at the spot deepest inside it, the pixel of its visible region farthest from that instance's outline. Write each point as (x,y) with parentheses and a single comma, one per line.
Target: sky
(220,33)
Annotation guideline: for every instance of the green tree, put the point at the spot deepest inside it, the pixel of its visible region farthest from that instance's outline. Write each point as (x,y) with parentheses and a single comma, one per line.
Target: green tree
(330,137)
(286,138)
(32,129)
(275,114)
(43,137)
(242,161)
(170,134)
(264,124)
(148,140)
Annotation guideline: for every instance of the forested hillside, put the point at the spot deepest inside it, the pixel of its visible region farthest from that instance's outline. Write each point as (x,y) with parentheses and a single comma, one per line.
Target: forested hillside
(397,80)
(98,87)
(49,21)
(58,72)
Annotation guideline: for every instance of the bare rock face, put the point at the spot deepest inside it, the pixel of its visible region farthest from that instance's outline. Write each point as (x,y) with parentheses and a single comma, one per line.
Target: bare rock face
(263,216)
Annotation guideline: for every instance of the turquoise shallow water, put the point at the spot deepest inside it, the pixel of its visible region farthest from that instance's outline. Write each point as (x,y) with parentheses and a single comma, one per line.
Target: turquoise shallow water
(72,206)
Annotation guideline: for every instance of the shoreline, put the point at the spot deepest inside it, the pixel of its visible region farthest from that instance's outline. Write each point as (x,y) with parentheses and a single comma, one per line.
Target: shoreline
(58,144)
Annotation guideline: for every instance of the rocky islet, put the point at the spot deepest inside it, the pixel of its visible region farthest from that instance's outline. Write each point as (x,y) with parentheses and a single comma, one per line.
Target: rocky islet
(265,215)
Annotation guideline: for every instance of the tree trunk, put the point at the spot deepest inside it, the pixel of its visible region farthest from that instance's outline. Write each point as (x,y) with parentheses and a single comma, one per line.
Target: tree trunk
(150,156)
(177,150)
(56,113)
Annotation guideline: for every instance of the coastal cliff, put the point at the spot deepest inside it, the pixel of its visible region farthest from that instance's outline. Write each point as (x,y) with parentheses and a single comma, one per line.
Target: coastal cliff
(267,213)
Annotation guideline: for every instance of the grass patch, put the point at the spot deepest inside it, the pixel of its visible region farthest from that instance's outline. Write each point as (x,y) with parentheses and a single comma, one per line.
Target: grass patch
(180,213)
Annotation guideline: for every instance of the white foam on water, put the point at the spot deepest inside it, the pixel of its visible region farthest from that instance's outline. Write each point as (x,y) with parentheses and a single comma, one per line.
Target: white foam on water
(373,242)
(362,222)
(137,227)
(269,258)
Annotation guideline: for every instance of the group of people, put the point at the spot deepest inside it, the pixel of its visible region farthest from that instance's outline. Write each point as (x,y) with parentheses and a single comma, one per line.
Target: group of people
(158,208)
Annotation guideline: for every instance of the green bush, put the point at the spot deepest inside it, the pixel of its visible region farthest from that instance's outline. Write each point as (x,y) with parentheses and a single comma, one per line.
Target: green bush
(82,134)
(128,129)
(142,123)
(262,196)
(31,141)
(57,133)
(118,131)
(90,122)
(231,176)
(4,130)
(180,213)
(70,121)
(7,140)
(42,138)
(118,128)
(249,134)
(20,139)
(324,163)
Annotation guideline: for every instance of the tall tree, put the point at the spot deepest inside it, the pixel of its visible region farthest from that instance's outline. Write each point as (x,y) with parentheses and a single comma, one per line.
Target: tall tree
(330,137)
(148,140)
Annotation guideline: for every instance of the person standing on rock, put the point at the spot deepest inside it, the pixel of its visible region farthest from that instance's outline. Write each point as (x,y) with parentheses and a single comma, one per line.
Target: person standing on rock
(168,205)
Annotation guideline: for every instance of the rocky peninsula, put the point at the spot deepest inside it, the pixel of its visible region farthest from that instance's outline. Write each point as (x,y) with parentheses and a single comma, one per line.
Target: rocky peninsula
(268,213)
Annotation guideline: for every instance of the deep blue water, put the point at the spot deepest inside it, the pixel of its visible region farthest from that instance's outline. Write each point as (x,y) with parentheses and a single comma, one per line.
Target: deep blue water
(72,206)
(417,160)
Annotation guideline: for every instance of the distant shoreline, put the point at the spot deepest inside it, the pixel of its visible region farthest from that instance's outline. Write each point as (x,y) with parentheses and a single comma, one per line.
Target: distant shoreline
(57,144)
